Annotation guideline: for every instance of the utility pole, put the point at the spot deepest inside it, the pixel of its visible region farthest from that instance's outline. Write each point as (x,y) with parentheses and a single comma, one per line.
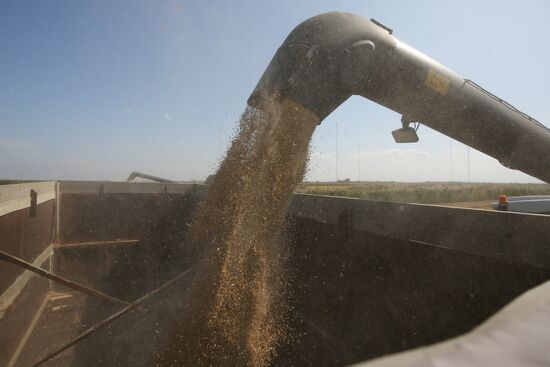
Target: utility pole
(469,165)
(336,174)
(359,165)
(451,151)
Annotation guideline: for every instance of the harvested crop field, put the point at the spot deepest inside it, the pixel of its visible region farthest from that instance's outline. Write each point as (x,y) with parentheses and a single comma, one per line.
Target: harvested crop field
(467,194)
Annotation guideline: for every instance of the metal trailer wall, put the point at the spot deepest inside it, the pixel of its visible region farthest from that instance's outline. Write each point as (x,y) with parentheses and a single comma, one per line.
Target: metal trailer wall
(116,236)
(366,278)
(373,278)
(26,231)
(85,232)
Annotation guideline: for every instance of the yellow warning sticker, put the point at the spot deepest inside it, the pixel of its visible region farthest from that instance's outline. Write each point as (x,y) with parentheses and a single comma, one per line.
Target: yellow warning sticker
(437,82)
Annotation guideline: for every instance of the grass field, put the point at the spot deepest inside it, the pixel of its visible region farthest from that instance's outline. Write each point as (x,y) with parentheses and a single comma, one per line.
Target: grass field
(426,193)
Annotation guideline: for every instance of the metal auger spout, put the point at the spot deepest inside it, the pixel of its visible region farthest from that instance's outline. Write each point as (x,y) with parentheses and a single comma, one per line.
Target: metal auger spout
(330,57)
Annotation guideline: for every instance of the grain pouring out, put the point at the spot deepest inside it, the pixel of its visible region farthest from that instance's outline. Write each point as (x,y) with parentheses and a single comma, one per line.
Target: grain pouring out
(239,294)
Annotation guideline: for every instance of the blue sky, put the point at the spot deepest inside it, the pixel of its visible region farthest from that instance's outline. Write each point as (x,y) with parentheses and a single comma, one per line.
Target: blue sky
(96,89)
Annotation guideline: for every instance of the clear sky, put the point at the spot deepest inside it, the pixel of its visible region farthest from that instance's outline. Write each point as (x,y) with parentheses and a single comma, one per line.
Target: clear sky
(96,89)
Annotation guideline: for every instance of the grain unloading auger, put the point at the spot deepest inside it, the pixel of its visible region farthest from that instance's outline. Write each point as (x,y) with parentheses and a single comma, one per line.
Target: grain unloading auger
(332,56)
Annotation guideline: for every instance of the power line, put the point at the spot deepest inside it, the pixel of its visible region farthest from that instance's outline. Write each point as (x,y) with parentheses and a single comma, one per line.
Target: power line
(359,165)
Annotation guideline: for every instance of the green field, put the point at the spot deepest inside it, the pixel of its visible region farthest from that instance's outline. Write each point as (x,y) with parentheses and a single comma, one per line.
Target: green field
(426,193)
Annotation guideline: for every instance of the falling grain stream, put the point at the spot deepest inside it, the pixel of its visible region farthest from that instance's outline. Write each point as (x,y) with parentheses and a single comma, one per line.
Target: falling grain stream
(238,296)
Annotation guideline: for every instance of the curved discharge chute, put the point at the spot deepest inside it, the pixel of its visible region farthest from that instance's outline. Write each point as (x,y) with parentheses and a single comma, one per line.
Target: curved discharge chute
(330,57)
